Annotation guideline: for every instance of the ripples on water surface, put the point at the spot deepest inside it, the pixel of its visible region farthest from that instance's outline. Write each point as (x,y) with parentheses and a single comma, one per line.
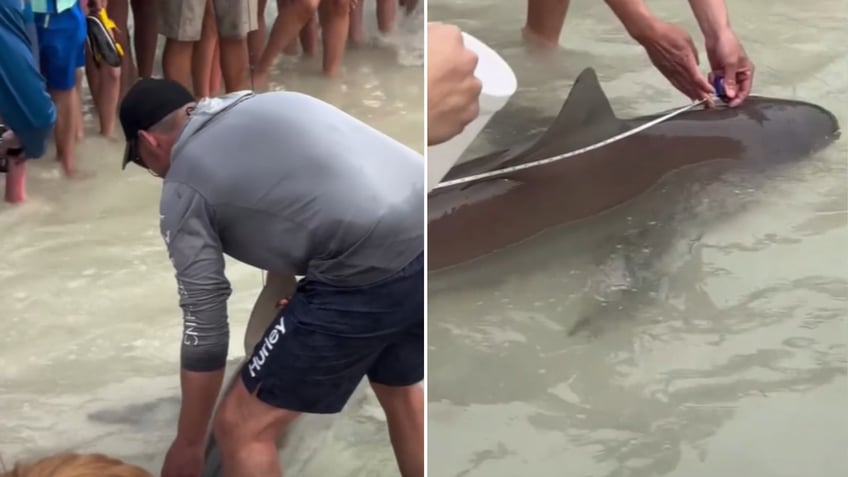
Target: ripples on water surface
(89,350)
(695,338)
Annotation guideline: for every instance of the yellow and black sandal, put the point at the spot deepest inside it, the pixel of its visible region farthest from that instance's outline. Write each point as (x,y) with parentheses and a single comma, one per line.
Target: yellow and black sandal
(101,37)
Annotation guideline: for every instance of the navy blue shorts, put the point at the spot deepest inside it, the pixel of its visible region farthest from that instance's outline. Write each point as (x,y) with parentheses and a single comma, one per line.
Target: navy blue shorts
(328,338)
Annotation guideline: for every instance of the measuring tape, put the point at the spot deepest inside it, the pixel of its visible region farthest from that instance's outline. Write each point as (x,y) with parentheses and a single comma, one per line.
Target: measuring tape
(720,94)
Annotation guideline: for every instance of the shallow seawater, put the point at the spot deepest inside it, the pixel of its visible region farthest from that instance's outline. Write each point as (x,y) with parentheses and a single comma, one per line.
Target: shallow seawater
(90,349)
(700,336)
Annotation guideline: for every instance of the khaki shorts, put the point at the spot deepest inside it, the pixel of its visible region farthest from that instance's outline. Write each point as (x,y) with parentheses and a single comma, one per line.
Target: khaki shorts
(182,20)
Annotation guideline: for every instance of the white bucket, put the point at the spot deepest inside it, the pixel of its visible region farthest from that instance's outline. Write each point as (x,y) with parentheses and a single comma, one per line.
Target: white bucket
(499,84)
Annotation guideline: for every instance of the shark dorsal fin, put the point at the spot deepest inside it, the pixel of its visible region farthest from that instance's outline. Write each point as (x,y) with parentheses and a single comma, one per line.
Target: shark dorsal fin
(586,117)
(587,105)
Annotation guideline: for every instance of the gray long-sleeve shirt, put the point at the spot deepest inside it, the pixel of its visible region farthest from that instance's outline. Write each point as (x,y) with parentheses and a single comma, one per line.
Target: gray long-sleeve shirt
(286,183)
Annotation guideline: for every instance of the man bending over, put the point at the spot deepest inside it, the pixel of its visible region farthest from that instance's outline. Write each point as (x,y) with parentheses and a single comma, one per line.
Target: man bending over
(292,185)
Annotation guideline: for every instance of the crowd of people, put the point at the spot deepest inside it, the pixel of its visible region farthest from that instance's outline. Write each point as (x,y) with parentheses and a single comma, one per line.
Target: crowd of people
(211,46)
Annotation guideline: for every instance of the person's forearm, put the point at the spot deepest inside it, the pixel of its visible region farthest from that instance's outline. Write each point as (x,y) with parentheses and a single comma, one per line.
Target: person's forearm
(634,15)
(199,394)
(712,17)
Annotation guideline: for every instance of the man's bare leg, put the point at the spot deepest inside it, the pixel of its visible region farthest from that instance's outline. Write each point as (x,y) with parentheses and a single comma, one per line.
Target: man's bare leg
(104,83)
(246,430)
(309,37)
(80,131)
(92,75)
(356,34)
(404,408)
(334,16)
(234,25)
(177,61)
(181,23)
(203,55)
(234,67)
(293,48)
(119,11)
(215,76)
(108,91)
(16,180)
(292,15)
(256,38)
(65,129)
(145,35)
(386,13)
(545,19)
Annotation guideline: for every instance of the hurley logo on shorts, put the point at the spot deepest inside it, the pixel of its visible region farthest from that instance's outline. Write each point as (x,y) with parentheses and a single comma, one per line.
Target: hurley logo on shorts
(268,343)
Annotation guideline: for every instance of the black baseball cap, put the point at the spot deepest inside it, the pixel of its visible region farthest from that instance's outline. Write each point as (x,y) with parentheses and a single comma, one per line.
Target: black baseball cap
(146,103)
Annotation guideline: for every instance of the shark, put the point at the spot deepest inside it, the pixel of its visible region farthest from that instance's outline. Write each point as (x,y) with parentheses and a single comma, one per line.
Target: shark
(478,218)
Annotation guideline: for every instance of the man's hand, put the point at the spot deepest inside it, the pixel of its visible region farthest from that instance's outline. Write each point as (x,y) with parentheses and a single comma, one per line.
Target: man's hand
(199,393)
(184,459)
(453,92)
(672,51)
(728,59)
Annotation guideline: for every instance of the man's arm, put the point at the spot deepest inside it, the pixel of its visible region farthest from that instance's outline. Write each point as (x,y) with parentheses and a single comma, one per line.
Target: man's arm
(197,255)
(669,47)
(635,16)
(25,106)
(712,18)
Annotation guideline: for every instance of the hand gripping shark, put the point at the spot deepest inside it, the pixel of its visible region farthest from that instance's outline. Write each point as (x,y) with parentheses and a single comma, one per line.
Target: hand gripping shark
(470,220)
